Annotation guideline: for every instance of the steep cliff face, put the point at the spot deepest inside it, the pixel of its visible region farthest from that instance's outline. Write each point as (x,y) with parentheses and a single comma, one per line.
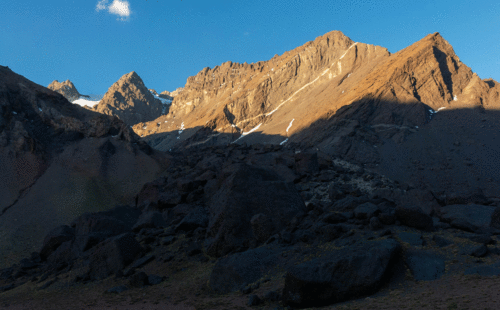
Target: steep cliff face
(58,160)
(235,98)
(131,101)
(66,88)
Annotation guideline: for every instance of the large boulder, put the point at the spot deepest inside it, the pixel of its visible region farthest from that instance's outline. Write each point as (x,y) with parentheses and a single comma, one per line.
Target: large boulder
(413,216)
(113,255)
(340,275)
(466,196)
(197,217)
(55,238)
(92,228)
(152,219)
(473,218)
(244,192)
(234,272)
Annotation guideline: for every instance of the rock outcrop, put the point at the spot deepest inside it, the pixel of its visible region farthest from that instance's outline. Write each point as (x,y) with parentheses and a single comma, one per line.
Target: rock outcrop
(66,88)
(130,100)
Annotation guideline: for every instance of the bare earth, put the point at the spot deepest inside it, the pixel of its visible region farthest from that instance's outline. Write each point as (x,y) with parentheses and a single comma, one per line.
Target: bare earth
(186,291)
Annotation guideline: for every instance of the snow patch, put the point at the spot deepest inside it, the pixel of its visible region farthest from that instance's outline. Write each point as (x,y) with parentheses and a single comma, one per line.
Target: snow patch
(14,112)
(251,130)
(85,102)
(39,109)
(455,98)
(289,126)
(181,129)
(441,108)
(163,101)
(248,132)
(285,141)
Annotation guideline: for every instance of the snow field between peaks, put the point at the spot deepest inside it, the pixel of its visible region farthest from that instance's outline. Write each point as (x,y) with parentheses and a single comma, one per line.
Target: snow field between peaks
(84,102)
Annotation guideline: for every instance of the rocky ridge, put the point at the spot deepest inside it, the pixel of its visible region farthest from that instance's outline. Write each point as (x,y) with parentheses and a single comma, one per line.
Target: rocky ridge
(325,82)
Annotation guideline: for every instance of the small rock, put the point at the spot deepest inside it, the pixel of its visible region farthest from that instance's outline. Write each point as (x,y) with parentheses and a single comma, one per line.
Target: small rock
(246,290)
(375,223)
(480,251)
(253,300)
(154,279)
(48,283)
(7,287)
(139,279)
(272,296)
(117,289)
(142,261)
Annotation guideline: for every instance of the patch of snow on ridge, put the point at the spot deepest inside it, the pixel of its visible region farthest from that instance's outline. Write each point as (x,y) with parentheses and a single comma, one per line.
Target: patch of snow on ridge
(85,102)
(285,141)
(181,129)
(289,126)
(441,108)
(163,101)
(248,132)
(455,98)
(252,130)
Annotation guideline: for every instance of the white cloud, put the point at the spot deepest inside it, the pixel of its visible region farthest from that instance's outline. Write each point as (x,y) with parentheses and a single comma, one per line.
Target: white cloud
(101,5)
(120,8)
(117,7)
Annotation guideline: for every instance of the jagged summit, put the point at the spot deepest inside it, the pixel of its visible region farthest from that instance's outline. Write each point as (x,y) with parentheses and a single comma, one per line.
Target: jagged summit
(66,88)
(131,101)
(330,78)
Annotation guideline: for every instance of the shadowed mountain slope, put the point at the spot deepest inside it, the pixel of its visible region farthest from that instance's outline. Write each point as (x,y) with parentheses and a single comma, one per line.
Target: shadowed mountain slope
(60,160)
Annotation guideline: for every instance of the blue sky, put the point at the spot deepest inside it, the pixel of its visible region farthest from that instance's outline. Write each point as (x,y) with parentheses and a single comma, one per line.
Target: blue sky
(93,43)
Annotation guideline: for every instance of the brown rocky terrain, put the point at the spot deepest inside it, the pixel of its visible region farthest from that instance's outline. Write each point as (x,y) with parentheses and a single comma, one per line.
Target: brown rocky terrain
(130,100)
(66,88)
(59,160)
(204,236)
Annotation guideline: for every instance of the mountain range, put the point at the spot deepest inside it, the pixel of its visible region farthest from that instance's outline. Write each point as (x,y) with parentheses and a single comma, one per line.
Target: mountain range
(337,150)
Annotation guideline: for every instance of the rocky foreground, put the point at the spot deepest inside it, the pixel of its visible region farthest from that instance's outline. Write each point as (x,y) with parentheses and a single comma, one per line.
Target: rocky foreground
(325,230)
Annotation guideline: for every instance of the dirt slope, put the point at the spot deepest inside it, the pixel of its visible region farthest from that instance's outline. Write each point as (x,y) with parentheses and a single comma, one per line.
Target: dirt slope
(59,160)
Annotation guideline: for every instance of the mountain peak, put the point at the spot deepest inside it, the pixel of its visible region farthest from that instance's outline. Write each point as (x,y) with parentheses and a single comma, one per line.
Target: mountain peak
(131,101)
(66,88)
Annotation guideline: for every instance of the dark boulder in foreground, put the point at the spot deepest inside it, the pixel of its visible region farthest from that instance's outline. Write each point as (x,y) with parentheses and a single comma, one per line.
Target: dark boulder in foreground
(246,191)
(113,255)
(340,276)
